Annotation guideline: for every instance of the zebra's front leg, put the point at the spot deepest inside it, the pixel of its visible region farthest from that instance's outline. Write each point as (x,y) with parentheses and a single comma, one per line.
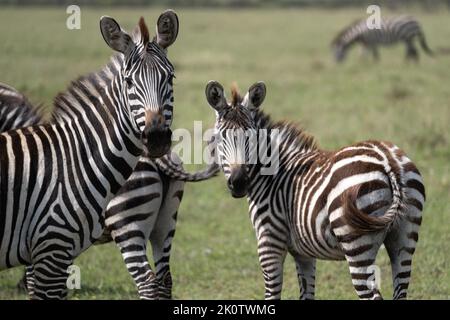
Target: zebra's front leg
(163,234)
(375,53)
(49,274)
(130,217)
(271,259)
(411,52)
(306,273)
(131,238)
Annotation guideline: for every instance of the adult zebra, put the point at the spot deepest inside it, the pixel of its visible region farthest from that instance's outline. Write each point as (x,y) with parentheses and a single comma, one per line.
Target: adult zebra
(56,179)
(392,30)
(148,200)
(319,204)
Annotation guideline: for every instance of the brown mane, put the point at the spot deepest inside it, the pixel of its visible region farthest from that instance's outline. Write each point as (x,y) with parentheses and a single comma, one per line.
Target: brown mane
(236,97)
(144,31)
(293,135)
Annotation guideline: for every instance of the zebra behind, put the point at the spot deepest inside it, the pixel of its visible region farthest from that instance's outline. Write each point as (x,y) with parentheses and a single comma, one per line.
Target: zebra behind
(333,205)
(393,30)
(57,178)
(15,110)
(144,208)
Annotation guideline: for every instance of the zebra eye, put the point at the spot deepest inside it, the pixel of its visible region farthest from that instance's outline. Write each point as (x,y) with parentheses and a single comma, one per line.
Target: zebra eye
(129,81)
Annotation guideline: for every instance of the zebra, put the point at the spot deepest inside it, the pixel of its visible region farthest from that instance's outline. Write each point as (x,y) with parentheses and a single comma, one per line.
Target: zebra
(57,178)
(392,30)
(154,188)
(333,205)
(15,110)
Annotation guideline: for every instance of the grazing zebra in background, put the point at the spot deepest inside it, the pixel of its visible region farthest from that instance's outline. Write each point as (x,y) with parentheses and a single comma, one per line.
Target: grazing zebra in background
(331,205)
(155,189)
(57,178)
(393,30)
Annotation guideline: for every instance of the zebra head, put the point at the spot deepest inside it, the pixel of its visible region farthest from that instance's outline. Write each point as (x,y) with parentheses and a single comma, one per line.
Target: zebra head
(236,132)
(146,78)
(339,51)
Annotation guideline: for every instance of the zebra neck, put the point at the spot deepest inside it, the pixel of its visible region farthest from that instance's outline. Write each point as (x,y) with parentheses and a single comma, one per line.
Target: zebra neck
(93,109)
(288,147)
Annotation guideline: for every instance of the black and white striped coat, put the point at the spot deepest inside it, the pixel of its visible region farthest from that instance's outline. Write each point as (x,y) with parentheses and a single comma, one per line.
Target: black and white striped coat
(15,110)
(57,178)
(153,191)
(333,205)
(393,30)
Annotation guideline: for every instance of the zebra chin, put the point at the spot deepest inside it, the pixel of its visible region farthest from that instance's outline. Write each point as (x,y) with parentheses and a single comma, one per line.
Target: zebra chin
(157,141)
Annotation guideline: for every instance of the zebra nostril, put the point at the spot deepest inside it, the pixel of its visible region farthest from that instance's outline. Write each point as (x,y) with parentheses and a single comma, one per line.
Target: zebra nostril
(230,184)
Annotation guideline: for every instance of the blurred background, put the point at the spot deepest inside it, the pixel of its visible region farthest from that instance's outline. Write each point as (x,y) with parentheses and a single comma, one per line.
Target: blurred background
(286,44)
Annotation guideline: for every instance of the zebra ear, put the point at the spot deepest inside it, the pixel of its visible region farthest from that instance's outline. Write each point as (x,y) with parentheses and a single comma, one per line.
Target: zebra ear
(167,28)
(255,96)
(114,36)
(215,95)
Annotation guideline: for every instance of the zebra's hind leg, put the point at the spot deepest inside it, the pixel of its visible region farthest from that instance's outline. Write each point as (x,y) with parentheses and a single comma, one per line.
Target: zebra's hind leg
(306,273)
(163,234)
(400,244)
(360,253)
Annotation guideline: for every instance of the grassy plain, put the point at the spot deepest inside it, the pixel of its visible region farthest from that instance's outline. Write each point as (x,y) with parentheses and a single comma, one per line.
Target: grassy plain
(214,251)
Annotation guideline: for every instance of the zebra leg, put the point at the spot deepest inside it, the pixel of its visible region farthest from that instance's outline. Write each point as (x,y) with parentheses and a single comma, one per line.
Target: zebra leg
(411,51)
(162,236)
(400,244)
(130,217)
(375,53)
(360,253)
(271,259)
(50,274)
(29,280)
(131,238)
(306,273)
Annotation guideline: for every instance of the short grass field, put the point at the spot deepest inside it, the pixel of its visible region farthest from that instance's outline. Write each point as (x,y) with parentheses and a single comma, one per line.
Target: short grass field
(214,251)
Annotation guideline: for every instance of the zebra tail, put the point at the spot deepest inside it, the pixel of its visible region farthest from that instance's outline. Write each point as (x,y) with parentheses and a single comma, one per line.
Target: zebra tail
(424,45)
(172,167)
(363,223)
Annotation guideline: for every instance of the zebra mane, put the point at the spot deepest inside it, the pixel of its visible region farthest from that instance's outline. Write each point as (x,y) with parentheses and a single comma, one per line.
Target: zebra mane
(291,134)
(72,98)
(339,37)
(236,97)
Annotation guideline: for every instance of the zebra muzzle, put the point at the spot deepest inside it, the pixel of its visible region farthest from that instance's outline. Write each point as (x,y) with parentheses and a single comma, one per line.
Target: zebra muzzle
(157,141)
(238,182)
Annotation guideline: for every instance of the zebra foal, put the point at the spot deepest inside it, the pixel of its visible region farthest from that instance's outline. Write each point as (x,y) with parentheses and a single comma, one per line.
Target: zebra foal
(393,30)
(57,178)
(333,205)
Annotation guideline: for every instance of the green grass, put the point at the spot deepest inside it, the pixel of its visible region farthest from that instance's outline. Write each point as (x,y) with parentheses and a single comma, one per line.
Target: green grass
(214,251)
